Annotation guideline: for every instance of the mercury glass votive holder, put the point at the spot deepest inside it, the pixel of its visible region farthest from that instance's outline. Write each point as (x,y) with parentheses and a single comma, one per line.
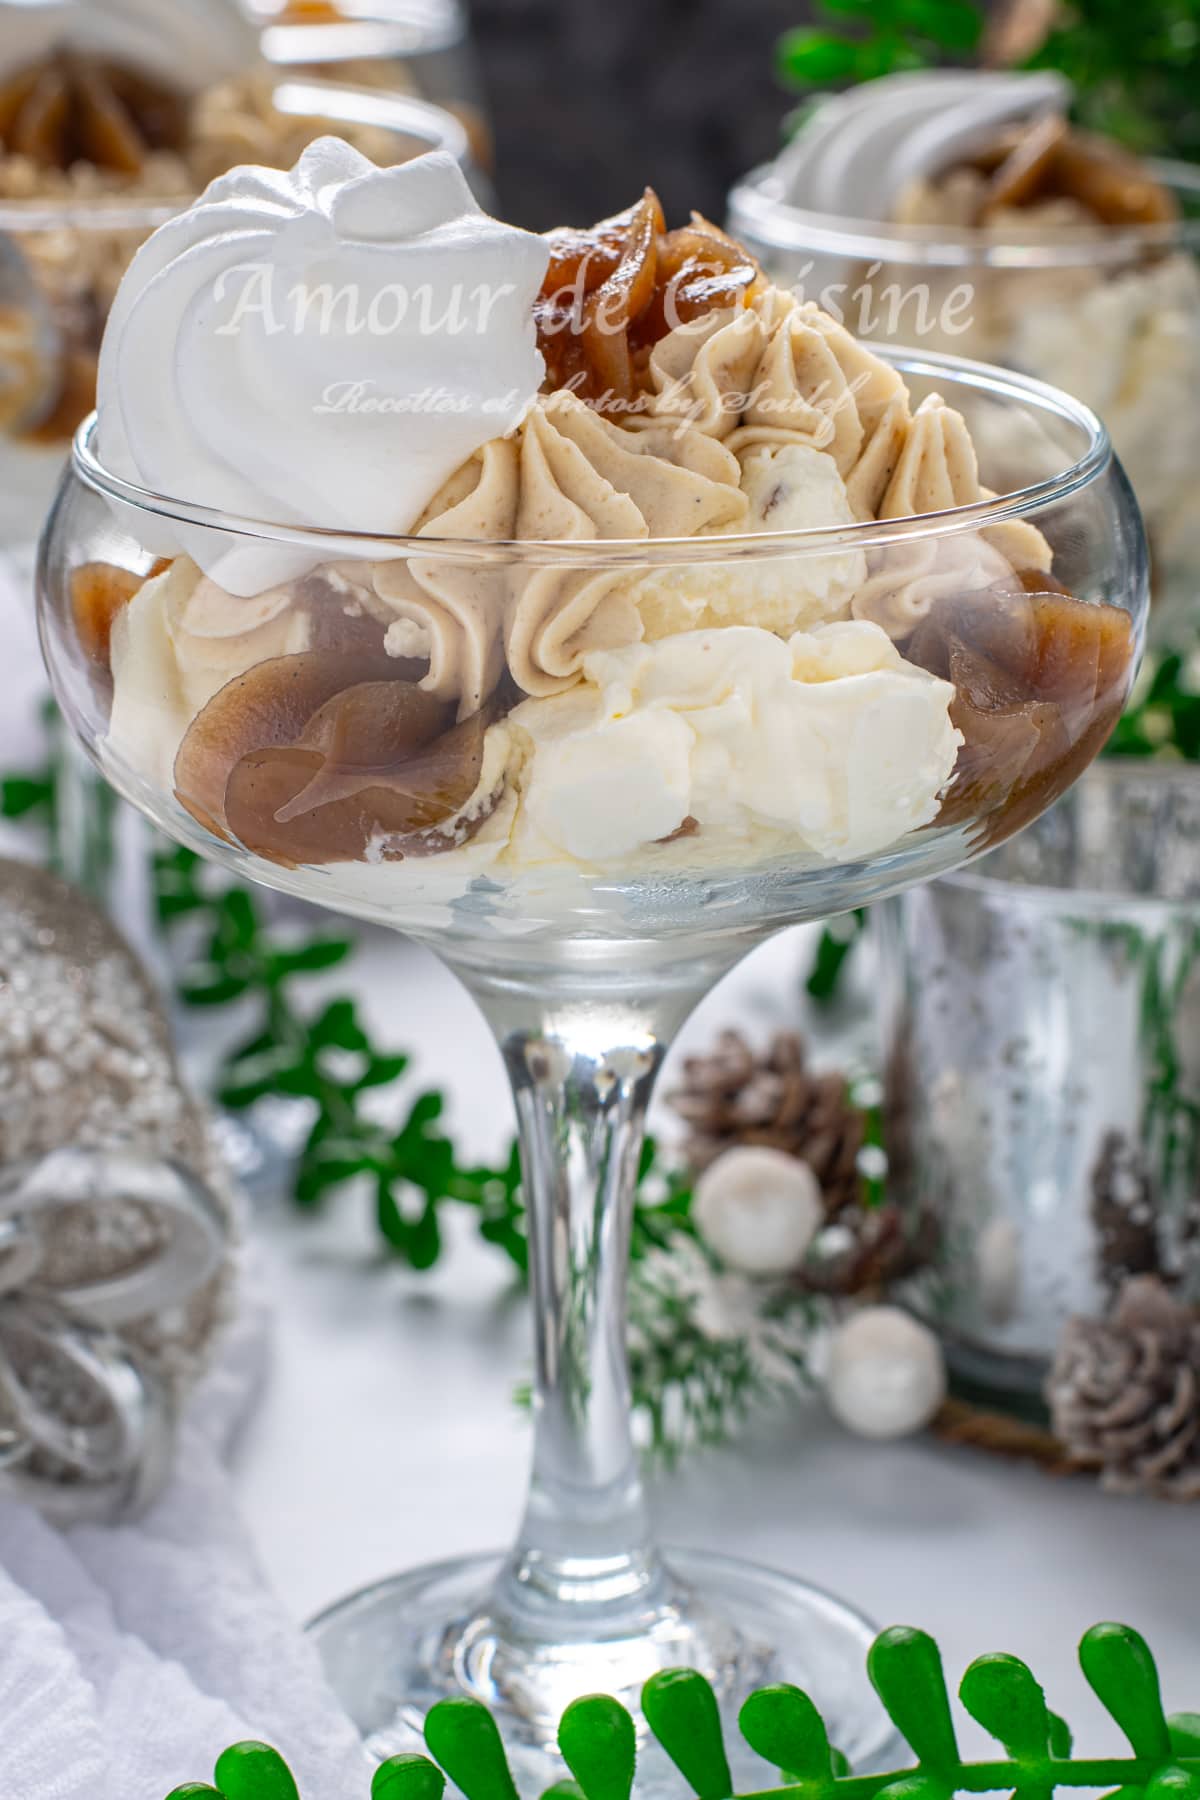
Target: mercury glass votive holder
(1041,1021)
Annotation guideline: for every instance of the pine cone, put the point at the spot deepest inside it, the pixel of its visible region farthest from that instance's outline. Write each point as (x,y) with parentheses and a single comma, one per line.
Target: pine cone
(1123,1212)
(868,1249)
(735,1097)
(1124,1393)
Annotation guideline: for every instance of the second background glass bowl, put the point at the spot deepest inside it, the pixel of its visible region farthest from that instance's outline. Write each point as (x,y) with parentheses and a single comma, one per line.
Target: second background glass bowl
(1111,315)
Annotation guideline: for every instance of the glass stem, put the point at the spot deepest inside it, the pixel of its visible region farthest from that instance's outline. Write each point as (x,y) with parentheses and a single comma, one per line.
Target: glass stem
(585,1539)
(582,1070)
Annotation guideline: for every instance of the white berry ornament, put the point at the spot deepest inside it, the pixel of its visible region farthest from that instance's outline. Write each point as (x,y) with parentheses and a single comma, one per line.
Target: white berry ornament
(886,1375)
(759,1210)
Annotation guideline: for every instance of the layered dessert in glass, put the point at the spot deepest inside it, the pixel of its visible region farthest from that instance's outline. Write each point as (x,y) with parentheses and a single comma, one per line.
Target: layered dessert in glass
(588,607)
(551,717)
(961,210)
(112,117)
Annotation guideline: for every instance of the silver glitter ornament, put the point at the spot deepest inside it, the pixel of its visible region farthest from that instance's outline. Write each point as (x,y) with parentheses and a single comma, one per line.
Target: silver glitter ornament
(115,1212)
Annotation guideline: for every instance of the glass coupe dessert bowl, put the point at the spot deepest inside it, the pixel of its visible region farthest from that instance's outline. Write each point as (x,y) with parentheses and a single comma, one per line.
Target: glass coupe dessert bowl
(957,211)
(804,625)
(587,918)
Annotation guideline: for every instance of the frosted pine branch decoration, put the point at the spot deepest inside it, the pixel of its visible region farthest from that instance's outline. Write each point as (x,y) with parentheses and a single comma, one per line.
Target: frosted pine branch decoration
(781,1724)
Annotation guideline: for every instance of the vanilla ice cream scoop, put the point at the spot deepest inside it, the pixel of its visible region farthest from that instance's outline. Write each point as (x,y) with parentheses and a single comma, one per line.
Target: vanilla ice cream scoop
(323,346)
(189,45)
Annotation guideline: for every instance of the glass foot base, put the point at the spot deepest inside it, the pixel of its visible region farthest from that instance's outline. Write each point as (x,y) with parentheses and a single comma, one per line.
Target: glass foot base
(392,1650)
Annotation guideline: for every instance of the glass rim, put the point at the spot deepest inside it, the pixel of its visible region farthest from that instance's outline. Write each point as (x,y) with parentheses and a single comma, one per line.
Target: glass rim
(425,124)
(1113,772)
(759,209)
(388,29)
(869,534)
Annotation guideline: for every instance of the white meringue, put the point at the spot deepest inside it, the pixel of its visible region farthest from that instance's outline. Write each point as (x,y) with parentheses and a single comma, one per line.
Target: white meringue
(861,149)
(323,346)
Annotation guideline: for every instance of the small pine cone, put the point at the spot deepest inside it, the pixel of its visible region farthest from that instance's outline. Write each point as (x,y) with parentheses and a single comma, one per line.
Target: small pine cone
(868,1249)
(735,1097)
(1123,1212)
(1124,1393)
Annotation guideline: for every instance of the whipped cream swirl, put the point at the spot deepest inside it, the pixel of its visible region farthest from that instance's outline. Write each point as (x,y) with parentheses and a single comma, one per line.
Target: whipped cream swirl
(863,148)
(322,347)
(189,45)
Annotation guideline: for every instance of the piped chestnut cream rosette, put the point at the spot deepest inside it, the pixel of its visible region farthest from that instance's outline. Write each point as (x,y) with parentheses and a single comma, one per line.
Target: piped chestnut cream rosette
(517,710)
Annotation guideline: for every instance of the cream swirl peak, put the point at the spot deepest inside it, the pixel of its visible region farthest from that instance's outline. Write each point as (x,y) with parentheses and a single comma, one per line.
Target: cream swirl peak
(321,347)
(189,45)
(863,148)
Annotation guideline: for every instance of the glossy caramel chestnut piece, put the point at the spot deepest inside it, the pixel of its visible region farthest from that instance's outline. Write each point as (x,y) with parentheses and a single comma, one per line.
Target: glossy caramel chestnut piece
(368,777)
(266,708)
(613,291)
(1040,679)
(73,108)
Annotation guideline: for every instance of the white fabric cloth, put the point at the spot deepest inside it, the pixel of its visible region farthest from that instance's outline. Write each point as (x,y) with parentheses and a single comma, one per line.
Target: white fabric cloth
(131,1656)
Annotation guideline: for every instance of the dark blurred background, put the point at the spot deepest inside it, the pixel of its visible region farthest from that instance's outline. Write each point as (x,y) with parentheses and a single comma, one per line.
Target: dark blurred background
(593,99)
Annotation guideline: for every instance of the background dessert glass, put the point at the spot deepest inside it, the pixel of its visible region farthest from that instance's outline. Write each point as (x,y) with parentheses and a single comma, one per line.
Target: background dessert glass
(1111,314)
(584,973)
(420,47)
(62,261)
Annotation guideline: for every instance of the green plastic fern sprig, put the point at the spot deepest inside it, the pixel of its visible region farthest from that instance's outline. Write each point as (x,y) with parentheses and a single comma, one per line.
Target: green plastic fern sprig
(781,1724)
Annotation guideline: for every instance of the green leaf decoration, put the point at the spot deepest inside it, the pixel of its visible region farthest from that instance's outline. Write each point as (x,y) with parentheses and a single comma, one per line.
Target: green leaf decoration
(913,1787)
(1001,1695)
(21,795)
(1163,718)
(1061,1741)
(598,1741)
(681,1710)
(784,1727)
(835,946)
(905,1667)
(1120,1670)
(408,1778)
(1183,1729)
(781,1723)
(462,1735)
(818,58)
(1174,1784)
(254,1772)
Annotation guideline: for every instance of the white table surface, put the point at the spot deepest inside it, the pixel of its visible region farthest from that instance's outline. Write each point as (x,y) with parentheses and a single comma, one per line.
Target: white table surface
(388,1436)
